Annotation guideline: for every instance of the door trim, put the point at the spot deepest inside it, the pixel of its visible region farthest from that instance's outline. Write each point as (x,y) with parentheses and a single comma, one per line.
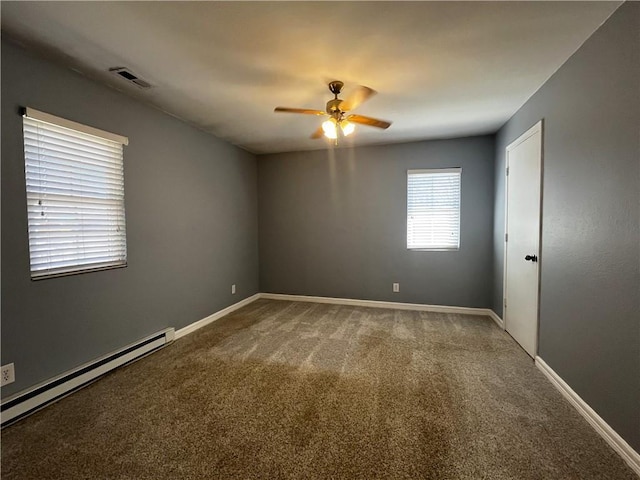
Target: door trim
(538,127)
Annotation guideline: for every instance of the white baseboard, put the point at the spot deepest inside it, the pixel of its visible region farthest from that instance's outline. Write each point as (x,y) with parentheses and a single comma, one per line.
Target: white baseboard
(215,316)
(379,304)
(487,312)
(339,301)
(26,402)
(609,434)
(496,318)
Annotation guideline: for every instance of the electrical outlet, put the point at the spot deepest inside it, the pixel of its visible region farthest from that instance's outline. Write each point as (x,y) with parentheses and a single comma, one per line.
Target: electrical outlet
(233,289)
(7,374)
(396,287)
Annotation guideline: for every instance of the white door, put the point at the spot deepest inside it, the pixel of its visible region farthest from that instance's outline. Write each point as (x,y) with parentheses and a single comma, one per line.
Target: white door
(522,240)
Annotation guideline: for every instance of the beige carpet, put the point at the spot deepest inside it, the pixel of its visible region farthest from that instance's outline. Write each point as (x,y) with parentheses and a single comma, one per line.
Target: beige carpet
(310,391)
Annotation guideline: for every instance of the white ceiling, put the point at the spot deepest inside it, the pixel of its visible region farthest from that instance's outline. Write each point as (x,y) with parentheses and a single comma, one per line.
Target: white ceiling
(441,69)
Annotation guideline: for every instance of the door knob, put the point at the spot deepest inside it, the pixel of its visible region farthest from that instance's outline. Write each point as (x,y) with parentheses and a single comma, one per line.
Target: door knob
(533,258)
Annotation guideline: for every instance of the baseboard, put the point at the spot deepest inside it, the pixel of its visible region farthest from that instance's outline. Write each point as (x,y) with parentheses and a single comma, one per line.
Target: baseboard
(338,301)
(609,434)
(215,316)
(27,402)
(35,398)
(378,304)
(496,318)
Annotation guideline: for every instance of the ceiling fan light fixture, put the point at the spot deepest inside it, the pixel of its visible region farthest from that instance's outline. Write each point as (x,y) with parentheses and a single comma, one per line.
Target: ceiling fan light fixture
(337,109)
(347,127)
(329,128)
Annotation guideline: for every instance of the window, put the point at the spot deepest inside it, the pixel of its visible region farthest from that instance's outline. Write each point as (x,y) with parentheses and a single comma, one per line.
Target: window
(75,196)
(433,209)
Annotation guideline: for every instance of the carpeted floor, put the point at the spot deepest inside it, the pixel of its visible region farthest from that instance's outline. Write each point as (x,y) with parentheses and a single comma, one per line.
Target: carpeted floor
(314,391)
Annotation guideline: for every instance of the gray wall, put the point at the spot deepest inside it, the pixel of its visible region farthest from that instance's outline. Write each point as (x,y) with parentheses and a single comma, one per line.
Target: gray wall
(191,211)
(333,223)
(590,260)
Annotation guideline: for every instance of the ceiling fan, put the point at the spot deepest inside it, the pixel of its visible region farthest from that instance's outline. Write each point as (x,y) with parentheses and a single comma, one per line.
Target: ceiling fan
(337,111)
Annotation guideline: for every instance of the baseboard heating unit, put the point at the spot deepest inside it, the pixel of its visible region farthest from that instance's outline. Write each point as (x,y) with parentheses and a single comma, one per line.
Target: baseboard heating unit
(24,403)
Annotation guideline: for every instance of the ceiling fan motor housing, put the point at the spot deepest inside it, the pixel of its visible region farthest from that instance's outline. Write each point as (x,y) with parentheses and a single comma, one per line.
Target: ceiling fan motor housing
(333,106)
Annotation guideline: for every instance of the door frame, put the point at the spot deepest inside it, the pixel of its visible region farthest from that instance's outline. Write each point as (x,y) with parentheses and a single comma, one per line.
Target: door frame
(537,127)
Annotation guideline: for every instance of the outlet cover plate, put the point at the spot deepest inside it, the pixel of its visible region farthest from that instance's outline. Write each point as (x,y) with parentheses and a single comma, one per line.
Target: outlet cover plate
(7,374)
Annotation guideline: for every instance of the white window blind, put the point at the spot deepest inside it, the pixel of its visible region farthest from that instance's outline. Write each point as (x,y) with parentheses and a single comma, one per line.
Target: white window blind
(75,196)
(433,209)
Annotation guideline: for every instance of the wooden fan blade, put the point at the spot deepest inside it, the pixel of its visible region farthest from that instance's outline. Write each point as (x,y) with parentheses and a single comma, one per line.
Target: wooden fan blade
(299,110)
(318,133)
(372,122)
(356,98)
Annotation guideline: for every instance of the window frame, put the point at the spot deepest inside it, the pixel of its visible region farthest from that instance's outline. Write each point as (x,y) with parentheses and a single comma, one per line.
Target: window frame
(69,170)
(443,248)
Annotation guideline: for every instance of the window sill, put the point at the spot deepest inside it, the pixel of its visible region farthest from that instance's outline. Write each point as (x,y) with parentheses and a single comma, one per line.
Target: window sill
(45,276)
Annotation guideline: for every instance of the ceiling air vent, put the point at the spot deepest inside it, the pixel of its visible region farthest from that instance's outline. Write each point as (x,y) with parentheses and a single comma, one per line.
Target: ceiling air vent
(130,77)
